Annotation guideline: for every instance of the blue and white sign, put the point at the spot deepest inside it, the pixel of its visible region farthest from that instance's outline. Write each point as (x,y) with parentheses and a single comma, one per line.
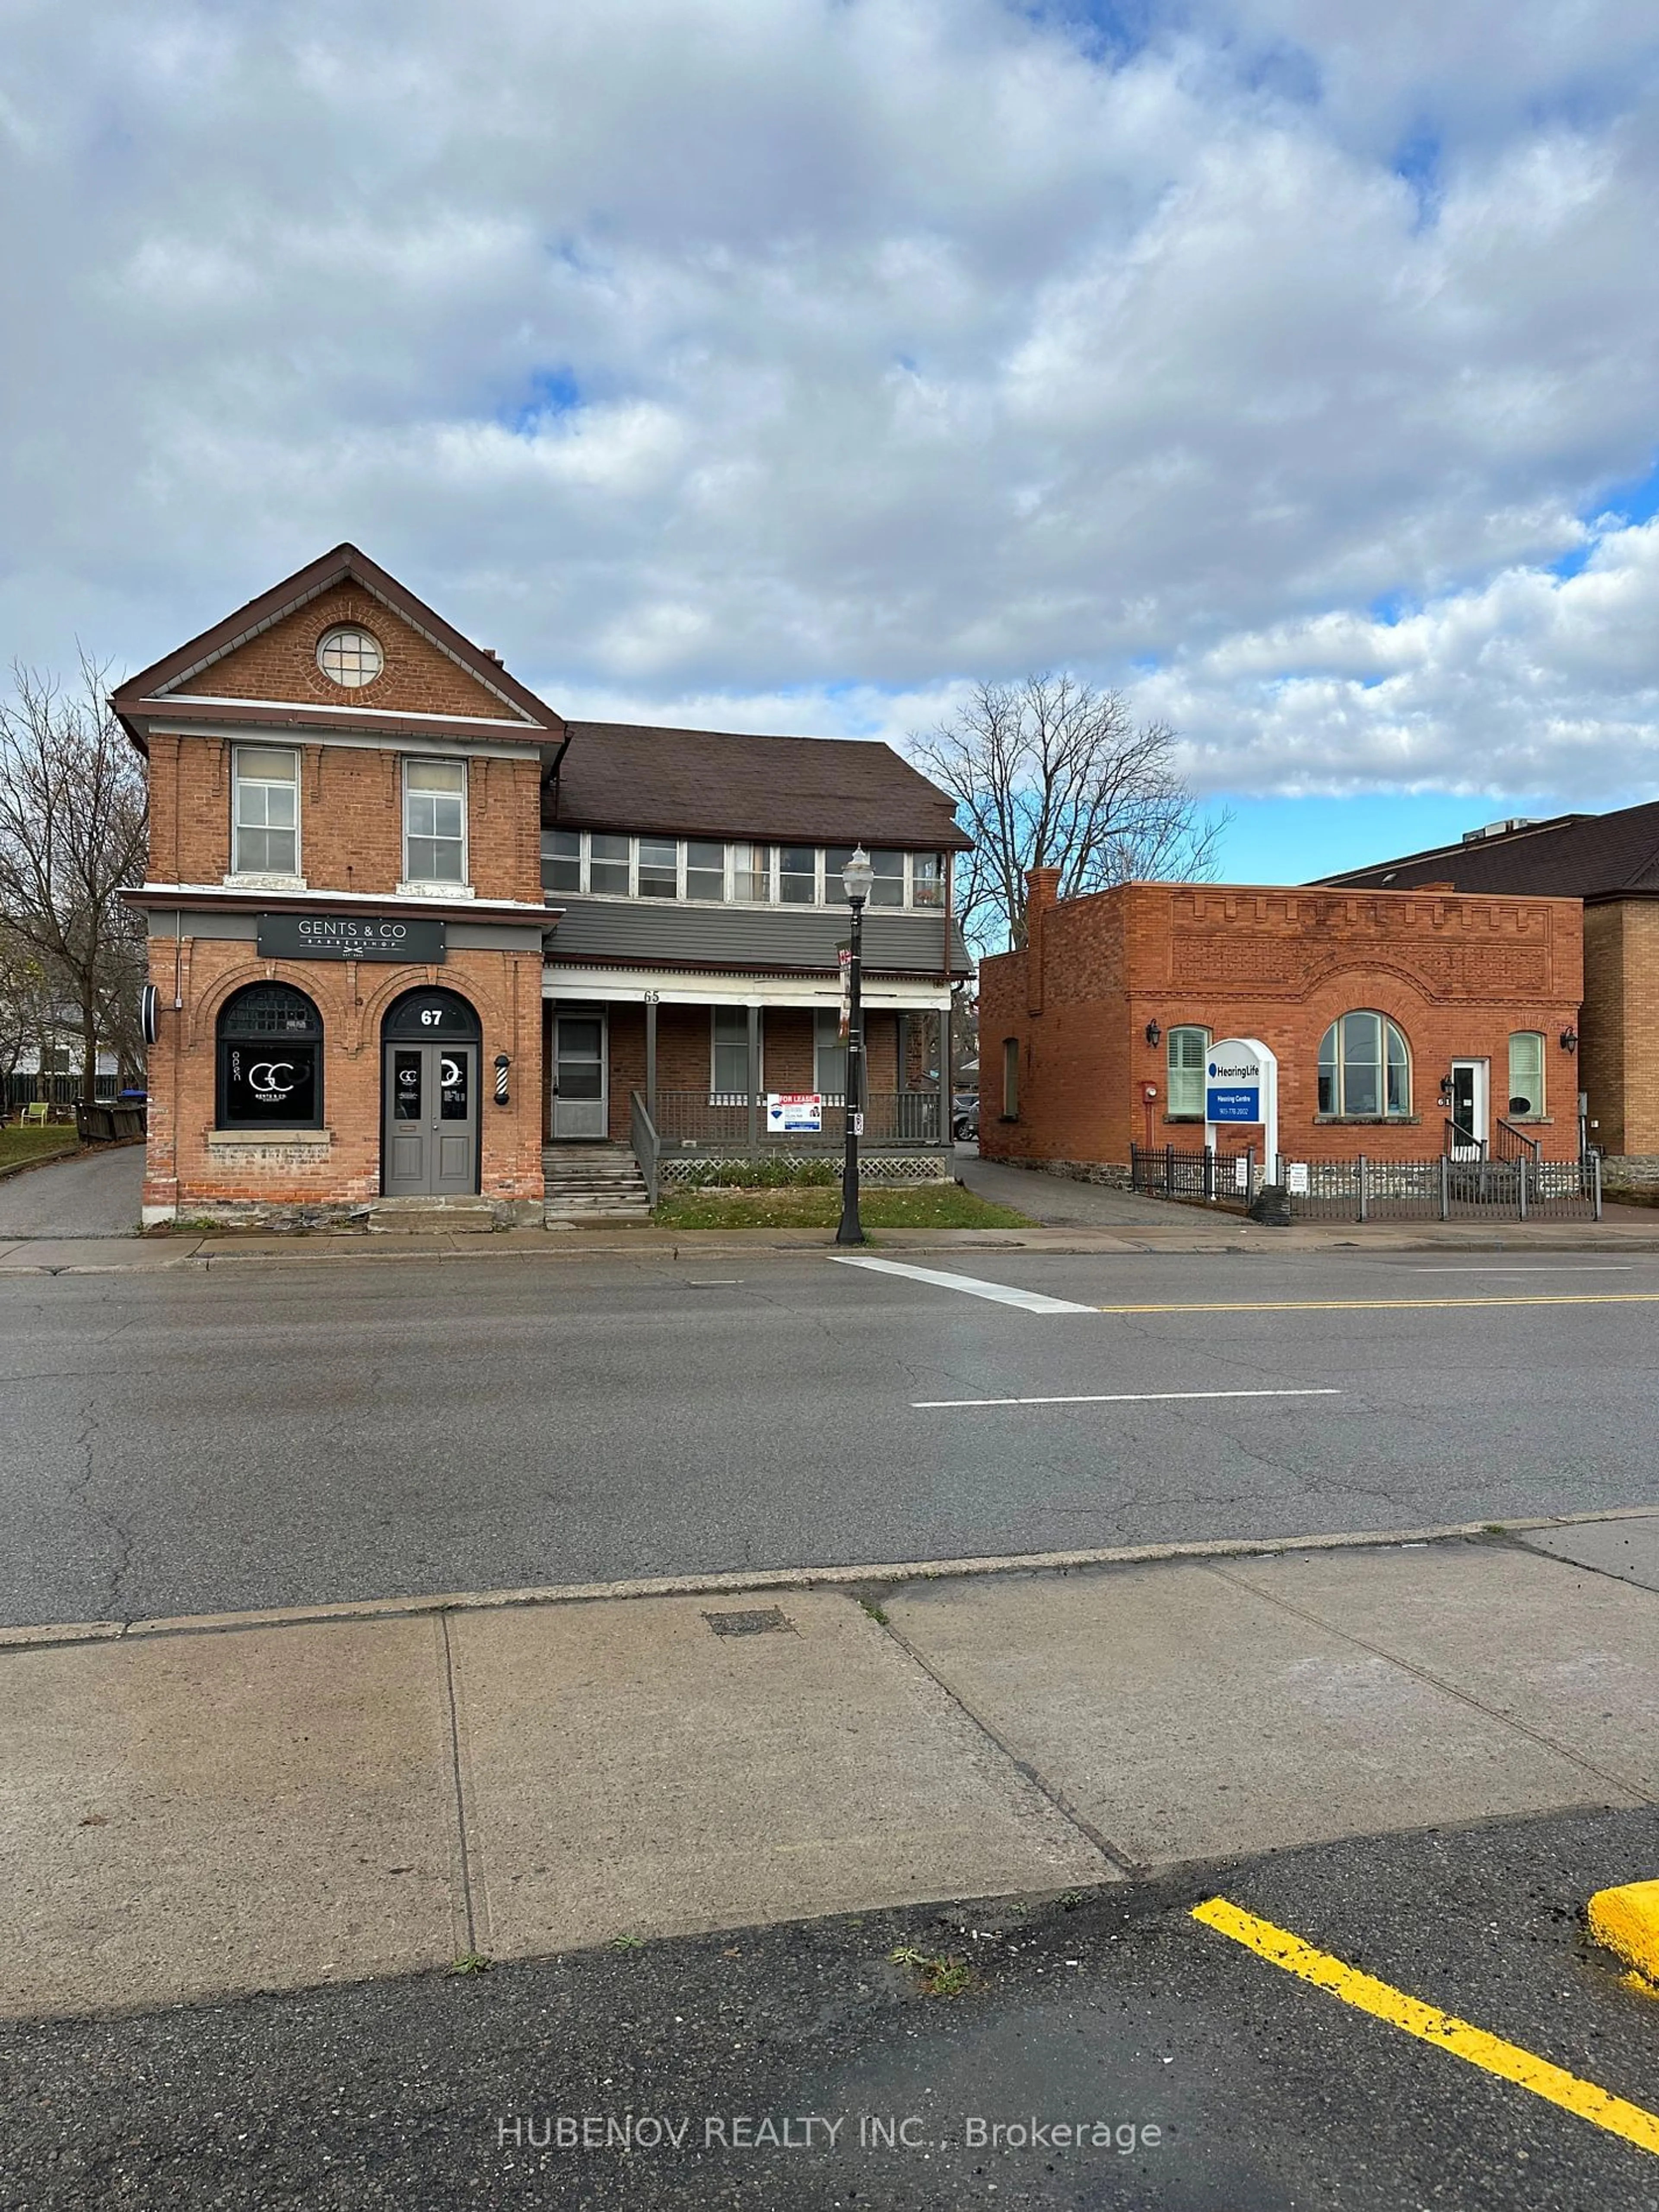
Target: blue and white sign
(1232,1083)
(1241,1090)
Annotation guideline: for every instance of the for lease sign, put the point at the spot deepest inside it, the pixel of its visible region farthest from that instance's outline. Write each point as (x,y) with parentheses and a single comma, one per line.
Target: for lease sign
(797,1111)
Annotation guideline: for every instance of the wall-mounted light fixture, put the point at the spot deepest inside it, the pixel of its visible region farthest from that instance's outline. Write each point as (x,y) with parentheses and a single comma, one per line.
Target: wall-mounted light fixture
(1569,1039)
(1153,1033)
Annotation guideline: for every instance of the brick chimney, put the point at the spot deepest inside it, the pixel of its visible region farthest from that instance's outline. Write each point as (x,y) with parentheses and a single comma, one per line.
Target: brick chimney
(1041,893)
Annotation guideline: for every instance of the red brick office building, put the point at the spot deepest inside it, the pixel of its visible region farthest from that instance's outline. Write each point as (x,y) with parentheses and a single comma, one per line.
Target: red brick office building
(417,941)
(1391,1013)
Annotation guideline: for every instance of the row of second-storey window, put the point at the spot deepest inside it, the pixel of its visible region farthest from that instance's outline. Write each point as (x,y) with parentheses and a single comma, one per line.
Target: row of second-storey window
(1365,1070)
(265,816)
(609,864)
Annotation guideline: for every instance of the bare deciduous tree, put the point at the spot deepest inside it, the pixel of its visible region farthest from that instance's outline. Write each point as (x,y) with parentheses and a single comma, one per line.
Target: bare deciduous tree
(1053,773)
(72,828)
(23,1012)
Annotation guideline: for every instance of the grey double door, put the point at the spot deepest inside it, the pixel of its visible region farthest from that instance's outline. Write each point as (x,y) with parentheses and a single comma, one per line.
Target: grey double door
(431,1120)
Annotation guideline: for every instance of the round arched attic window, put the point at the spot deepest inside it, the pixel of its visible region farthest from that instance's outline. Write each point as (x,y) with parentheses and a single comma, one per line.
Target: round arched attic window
(350,655)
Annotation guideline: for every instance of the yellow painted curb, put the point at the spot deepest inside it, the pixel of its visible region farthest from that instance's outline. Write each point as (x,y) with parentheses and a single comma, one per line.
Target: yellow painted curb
(1626,1921)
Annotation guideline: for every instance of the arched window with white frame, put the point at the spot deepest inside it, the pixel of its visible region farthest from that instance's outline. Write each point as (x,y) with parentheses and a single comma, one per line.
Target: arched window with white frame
(1365,1068)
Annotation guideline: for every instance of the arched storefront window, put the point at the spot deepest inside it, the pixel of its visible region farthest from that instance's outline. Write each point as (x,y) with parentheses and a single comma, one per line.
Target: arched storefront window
(271,1060)
(1365,1068)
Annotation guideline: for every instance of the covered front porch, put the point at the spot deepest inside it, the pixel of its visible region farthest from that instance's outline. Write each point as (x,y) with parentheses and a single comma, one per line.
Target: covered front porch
(682,1070)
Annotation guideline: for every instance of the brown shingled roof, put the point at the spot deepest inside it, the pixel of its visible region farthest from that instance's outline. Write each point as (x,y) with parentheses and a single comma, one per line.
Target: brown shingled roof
(1587,856)
(719,783)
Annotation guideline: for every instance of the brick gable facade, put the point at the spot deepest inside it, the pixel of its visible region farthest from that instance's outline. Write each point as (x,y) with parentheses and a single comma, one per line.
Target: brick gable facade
(280,663)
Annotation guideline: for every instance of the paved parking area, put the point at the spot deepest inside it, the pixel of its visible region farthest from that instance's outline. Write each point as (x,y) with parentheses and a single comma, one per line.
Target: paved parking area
(95,1193)
(1205,2080)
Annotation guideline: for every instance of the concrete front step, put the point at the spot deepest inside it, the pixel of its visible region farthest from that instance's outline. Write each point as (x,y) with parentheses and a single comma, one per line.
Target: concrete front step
(419,1217)
(593,1183)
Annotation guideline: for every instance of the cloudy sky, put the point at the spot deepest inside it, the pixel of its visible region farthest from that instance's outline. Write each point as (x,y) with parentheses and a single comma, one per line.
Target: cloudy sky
(788,363)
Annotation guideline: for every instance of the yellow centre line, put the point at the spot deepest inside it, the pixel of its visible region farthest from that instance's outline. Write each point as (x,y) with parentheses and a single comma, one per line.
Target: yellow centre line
(1398,1305)
(1442,2029)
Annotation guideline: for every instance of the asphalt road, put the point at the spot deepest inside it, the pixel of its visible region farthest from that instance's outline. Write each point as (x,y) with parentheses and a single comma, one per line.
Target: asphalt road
(1116,2009)
(284,1432)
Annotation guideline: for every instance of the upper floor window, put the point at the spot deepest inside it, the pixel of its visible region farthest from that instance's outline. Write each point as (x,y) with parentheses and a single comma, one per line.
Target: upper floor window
(350,656)
(1187,1049)
(659,868)
(609,864)
(434,822)
(270,1042)
(1365,1068)
(1527,1074)
(265,811)
(797,875)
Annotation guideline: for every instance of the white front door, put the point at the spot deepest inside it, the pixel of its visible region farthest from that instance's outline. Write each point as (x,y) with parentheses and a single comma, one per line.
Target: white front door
(1470,1084)
(580,1091)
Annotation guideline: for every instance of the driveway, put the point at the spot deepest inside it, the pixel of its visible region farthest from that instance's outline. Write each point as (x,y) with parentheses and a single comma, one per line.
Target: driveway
(91,1194)
(1059,1201)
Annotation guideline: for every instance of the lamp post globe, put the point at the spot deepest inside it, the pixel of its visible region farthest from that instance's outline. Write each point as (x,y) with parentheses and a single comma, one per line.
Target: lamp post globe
(856,877)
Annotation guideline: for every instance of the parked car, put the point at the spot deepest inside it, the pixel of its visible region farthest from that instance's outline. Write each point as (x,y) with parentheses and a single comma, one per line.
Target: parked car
(964,1116)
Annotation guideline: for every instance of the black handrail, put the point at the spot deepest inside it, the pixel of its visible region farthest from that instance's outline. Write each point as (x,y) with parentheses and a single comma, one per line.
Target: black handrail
(1473,1147)
(1514,1144)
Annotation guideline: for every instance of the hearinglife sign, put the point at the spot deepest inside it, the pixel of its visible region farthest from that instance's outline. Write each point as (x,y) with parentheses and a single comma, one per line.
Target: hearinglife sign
(1241,1086)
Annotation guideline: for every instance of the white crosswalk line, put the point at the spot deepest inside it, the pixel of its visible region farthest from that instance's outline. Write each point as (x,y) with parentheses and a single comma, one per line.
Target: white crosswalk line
(1032,1301)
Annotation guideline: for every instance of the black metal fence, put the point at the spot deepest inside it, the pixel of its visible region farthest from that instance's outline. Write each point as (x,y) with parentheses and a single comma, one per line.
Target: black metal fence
(1444,1189)
(1161,1171)
(57,1092)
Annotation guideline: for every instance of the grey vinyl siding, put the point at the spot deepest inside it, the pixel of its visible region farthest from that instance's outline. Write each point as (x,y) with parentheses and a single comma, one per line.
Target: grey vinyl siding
(667,933)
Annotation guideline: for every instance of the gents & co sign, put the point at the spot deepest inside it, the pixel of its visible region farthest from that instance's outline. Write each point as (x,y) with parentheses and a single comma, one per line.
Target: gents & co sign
(349,936)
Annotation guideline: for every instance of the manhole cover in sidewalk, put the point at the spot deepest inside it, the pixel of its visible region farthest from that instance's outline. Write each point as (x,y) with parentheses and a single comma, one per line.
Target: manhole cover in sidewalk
(755,1623)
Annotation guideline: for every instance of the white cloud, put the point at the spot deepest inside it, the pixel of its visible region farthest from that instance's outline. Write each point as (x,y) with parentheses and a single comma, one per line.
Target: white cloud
(1530,683)
(806,358)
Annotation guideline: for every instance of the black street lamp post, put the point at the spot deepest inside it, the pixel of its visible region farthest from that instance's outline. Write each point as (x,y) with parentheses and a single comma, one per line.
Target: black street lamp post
(856,879)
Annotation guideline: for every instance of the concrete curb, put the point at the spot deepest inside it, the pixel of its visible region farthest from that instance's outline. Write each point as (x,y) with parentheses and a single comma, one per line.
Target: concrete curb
(1626,1921)
(879,1574)
(207,1253)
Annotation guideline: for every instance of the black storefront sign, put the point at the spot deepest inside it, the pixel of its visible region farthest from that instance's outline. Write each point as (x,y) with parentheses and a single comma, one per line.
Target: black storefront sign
(349,937)
(273,1081)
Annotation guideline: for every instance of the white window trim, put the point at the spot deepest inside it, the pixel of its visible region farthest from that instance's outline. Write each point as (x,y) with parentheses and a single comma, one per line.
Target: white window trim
(1540,1112)
(1340,1112)
(825,894)
(266,879)
(1208,1036)
(415,886)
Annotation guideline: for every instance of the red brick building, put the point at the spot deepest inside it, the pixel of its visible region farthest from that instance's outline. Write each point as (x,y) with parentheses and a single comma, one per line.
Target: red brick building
(1396,1017)
(415,937)
(1610,862)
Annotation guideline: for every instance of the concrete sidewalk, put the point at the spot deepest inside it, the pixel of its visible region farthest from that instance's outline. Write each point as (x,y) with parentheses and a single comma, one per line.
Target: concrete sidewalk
(273,1800)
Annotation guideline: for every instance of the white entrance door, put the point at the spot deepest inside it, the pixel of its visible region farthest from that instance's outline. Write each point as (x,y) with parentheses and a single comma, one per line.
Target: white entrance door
(1470,1084)
(581,1103)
